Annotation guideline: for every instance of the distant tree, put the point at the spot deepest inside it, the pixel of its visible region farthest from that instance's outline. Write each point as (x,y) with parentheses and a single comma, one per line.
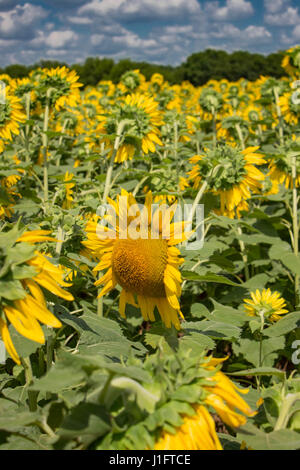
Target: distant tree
(16,71)
(199,68)
(203,66)
(93,70)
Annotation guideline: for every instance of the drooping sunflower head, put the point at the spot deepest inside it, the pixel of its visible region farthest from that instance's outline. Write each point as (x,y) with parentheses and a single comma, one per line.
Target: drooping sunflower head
(185,401)
(230,172)
(291,61)
(22,87)
(290,107)
(281,167)
(266,304)
(11,115)
(211,101)
(132,80)
(69,185)
(142,120)
(24,272)
(62,86)
(139,253)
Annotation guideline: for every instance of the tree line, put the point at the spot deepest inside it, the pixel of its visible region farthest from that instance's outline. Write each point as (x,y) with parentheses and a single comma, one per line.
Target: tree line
(197,69)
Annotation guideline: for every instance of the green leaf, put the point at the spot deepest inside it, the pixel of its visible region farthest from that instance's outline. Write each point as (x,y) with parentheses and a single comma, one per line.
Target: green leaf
(69,371)
(12,422)
(250,350)
(23,272)
(86,422)
(284,325)
(225,314)
(199,311)
(284,439)
(214,329)
(256,282)
(144,398)
(100,335)
(260,371)
(24,346)
(12,290)
(292,262)
(210,277)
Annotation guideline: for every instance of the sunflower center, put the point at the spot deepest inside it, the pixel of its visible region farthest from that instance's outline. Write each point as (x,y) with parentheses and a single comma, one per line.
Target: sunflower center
(139,266)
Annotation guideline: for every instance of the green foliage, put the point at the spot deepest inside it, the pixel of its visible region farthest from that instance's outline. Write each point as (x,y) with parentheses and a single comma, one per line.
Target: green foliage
(199,68)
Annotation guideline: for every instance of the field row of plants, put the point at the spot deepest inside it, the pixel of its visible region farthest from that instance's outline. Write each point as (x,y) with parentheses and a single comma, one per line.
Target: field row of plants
(140,339)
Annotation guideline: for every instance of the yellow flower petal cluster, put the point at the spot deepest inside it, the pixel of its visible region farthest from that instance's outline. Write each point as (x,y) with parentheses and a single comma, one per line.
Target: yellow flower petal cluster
(27,313)
(147,268)
(198,432)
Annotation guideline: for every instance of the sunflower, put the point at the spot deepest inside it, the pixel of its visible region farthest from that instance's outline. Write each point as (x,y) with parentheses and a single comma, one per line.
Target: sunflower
(267,304)
(289,107)
(64,86)
(291,61)
(198,431)
(235,175)
(69,190)
(10,116)
(143,119)
(131,81)
(26,312)
(147,267)
(281,173)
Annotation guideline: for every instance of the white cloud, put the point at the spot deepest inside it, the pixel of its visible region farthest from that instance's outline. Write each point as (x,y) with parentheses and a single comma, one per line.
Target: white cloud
(274,6)
(79,20)
(135,9)
(296,32)
(232,9)
(289,17)
(20,20)
(58,39)
(257,32)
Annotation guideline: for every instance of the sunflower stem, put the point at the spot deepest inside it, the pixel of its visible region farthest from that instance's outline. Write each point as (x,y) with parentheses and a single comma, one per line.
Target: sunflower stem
(285,408)
(279,114)
(27,107)
(66,121)
(240,134)
(176,147)
(60,238)
(244,254)
(214,128)
(45,145)
(32,396)
(295,224)
(107,188)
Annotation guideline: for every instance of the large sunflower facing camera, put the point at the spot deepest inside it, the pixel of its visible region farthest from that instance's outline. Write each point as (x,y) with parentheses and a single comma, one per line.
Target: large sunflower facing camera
(146,268)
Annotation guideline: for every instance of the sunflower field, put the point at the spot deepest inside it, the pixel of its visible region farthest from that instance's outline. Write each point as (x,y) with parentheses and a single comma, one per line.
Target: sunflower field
(113,342)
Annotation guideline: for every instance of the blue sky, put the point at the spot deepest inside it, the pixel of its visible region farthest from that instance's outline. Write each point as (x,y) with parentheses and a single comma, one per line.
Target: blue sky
(160,31)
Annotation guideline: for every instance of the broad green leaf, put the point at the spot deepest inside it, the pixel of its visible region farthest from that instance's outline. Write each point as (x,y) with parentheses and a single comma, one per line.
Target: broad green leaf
(286,324)
(292,262)
(86,422)
(24,346)
(250,350)
(260,371)
(214,329)
(12,290)
(145,399)
(210,277)
(284,439)
(100,335)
